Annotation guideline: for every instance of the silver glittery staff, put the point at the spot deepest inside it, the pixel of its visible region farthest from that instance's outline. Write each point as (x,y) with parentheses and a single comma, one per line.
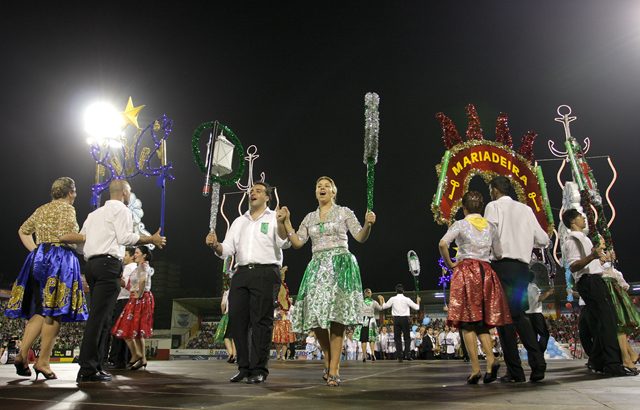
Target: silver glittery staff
(371,131)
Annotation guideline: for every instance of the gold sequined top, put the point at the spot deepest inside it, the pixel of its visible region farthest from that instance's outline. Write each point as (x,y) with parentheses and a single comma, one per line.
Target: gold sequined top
(51,221)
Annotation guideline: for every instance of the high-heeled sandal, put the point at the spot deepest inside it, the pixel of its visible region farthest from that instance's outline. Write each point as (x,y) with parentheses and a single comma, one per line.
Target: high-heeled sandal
(47,376)
(474,378)
(21,369)
(231,359)
(333,381)
(137,365)
(493,376)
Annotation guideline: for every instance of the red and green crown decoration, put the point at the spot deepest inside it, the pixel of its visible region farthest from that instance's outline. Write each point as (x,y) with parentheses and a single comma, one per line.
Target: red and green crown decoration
(477,156)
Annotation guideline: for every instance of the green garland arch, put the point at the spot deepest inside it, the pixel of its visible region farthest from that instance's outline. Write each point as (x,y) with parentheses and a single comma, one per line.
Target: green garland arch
(239,153)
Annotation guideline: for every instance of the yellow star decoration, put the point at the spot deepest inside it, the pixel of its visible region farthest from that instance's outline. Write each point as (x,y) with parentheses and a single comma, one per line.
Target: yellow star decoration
(130,113)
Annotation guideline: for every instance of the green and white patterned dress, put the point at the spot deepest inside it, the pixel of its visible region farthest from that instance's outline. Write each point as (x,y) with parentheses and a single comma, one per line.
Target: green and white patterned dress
(331,289)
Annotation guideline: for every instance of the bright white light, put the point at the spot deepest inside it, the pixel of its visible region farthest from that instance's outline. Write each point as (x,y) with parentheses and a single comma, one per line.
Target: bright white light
(103,122)
(438,295)
(115,144)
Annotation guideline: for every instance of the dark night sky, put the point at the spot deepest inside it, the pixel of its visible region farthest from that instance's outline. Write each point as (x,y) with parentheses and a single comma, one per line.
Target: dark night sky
(291,79)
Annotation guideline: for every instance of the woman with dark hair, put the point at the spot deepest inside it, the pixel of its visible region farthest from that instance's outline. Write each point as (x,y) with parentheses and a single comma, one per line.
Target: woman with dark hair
(136,320)
(477,302)
(48,289)
(330,295)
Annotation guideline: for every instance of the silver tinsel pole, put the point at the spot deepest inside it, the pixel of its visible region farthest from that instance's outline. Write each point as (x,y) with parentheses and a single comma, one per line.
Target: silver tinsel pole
(371,132)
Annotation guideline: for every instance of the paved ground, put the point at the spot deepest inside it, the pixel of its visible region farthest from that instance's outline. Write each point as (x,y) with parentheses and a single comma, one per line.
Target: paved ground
(298,385)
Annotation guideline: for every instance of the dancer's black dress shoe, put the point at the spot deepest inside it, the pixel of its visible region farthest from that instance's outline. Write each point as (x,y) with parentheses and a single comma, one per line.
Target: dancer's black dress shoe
(593,368)
(536,376)
(508,379)
(257,378)
(96,377)
(240,376)
(493,376)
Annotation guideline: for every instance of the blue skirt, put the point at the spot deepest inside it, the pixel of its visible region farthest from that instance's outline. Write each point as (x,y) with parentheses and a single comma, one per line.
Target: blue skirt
(49,284)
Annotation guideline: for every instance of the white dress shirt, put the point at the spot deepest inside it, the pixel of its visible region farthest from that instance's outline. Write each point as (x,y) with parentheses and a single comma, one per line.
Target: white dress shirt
(108,230)
(576,247)
(610,272)
(533,293)
(518,229)
(400,305)
(255,241)
(126,273)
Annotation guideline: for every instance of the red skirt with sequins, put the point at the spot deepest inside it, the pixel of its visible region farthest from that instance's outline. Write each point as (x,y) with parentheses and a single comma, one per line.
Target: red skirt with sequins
(136,319)
(282,332)
(476,295)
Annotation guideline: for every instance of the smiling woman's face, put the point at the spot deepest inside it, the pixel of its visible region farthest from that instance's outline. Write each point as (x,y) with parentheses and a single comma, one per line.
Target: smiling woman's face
(324,191)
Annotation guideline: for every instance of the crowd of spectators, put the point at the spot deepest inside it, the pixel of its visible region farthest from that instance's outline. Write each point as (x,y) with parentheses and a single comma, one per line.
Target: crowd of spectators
(69,338)
(204,339)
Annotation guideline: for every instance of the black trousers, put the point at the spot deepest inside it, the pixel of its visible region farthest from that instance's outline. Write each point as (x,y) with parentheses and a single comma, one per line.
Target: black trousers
(118,352)
(514,276)
(103,277)
(540,329)
(402,328)
(291,351)
(605,353)
(251,302)
(584,331)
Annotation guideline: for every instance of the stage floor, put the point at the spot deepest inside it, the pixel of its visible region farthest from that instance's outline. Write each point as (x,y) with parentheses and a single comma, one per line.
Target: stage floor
(298,385)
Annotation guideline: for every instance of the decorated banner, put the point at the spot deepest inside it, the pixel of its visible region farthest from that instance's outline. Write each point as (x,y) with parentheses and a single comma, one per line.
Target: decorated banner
(477,156)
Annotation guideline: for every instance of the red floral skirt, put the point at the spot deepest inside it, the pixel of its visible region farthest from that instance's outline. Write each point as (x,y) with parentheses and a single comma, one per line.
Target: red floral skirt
(282,332)
(136,319)
(476,295)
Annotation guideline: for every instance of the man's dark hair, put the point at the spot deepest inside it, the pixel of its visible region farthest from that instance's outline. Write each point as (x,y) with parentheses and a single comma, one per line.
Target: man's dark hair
(267,188)
(501,183)
(399,288)
(130,250)
(568,216)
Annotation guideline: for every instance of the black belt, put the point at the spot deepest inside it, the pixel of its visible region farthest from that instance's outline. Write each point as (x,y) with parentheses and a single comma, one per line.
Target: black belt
(258,265)
(509,260)
(104,255)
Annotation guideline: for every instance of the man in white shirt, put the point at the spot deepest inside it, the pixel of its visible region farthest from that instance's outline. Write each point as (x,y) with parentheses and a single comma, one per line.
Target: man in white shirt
(257,243)
(107,231)
(518,232)
(117,350)
(584,262)
(401,310)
